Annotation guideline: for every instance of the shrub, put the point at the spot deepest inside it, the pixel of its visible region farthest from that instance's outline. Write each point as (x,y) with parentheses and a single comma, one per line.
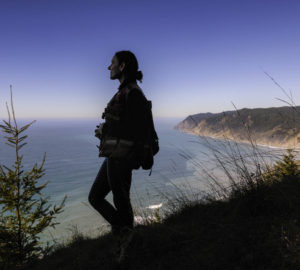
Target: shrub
(24,211)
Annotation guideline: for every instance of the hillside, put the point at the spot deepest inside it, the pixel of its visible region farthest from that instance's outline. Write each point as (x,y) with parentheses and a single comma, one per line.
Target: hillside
(278,126)
(255,227)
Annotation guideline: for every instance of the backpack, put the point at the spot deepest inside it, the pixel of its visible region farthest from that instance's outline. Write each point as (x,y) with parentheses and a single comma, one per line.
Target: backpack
(150,145)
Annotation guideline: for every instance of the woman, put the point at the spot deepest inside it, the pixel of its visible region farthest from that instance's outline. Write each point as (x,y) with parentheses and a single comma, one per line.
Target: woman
(125,122)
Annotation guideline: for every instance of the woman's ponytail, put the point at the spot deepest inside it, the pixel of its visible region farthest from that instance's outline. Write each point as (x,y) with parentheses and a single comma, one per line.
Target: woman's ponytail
(139,75)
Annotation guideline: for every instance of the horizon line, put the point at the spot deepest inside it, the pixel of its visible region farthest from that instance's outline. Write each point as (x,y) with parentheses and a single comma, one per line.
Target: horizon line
(78,118)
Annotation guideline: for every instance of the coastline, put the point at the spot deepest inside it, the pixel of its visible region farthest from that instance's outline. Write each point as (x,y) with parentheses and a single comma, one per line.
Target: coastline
(272,146)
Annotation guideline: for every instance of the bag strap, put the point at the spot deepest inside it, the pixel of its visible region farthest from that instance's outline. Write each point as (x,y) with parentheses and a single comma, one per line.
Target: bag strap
(111,100)
(151,120)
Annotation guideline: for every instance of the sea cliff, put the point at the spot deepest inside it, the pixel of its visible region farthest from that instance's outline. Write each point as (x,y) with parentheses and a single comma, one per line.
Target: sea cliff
(276,126)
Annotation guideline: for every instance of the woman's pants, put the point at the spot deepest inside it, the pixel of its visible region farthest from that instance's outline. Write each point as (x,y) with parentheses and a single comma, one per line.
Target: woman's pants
(114,175)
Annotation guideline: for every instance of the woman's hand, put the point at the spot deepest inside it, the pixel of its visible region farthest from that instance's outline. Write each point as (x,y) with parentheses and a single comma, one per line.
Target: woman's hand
(99,131)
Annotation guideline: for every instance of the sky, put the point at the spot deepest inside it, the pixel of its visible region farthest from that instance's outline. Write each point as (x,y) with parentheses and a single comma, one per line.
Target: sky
(196,56)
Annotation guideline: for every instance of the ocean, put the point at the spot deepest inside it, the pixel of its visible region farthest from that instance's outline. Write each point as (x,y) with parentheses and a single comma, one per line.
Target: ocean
(72,164)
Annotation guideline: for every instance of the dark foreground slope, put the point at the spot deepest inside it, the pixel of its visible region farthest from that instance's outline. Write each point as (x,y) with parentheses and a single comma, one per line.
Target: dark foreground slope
(278,126)
(256,227)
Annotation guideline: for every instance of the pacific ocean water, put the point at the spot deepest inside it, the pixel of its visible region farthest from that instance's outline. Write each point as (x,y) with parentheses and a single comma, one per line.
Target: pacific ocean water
(72,164)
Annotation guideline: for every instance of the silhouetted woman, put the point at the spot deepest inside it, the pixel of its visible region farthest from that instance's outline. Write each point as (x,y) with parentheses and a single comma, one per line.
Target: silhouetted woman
(121,135)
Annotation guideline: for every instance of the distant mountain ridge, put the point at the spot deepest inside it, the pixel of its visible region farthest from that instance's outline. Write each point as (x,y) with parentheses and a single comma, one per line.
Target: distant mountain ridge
(276,126)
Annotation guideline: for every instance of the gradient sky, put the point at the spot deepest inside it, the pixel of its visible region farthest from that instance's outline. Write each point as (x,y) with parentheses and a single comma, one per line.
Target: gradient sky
(196,56)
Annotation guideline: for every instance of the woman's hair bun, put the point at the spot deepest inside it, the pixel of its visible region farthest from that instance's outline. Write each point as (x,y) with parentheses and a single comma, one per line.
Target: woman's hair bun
(139,75)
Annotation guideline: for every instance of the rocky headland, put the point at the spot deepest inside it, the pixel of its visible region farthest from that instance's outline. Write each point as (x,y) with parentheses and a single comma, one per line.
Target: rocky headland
(276,126)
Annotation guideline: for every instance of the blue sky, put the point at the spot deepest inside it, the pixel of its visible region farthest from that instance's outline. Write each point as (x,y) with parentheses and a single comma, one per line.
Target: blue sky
(196,56)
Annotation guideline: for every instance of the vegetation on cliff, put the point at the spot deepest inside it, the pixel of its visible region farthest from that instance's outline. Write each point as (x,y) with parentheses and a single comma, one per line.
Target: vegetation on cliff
(270,126)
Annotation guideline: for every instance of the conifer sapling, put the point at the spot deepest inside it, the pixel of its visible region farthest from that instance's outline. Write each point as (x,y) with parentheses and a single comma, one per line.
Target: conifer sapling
(24,210)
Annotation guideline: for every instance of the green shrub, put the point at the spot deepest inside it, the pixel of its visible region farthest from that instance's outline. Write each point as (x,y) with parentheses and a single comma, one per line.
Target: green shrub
(24,211)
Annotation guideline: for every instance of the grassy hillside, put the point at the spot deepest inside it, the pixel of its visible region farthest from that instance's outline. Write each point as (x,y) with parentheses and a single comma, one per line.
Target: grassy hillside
(256,225)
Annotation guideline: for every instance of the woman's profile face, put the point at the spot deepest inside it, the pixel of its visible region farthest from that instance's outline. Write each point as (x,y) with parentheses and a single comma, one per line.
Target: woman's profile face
(115,68)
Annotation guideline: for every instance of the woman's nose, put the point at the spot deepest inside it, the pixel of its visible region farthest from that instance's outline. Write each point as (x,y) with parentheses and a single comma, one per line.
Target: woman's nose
(108,68)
